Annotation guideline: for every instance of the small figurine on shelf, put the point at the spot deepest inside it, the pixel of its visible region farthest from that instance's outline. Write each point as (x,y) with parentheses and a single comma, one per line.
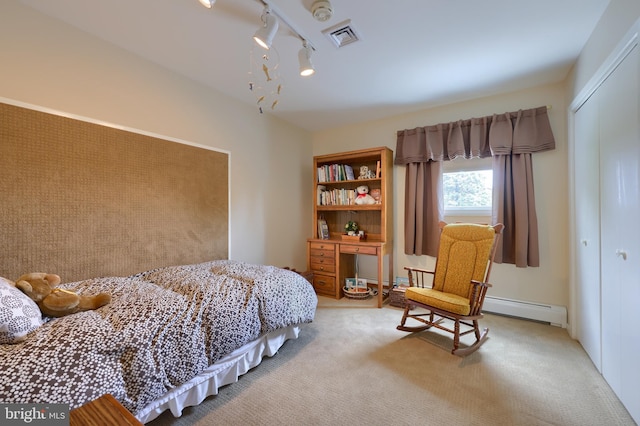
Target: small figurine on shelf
(375,193)
(365,173)
(351,228)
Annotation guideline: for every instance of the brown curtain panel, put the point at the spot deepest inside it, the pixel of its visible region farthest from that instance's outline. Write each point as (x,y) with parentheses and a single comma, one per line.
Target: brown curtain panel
(510,138)
(423,207)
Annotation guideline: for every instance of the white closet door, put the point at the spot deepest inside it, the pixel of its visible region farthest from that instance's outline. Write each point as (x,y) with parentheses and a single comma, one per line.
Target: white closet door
(587,217)
(619,97)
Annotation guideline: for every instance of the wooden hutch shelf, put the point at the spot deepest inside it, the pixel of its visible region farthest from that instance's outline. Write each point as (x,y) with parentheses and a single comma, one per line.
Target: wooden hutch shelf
(336,176)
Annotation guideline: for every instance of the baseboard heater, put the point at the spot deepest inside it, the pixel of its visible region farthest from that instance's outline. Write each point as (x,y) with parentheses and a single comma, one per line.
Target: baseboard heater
(554,315)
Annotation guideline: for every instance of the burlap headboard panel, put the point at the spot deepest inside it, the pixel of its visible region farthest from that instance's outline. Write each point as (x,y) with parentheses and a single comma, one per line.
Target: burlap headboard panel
(83,200)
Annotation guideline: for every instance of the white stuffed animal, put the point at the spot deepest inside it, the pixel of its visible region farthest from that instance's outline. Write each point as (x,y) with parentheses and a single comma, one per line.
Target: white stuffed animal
(363,196)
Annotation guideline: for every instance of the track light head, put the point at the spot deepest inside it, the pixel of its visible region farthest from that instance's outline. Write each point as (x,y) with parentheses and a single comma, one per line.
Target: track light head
(207,3)
(304,57)
(264,35)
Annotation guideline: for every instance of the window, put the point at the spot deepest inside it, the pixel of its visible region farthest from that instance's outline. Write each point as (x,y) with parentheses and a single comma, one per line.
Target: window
(467,187)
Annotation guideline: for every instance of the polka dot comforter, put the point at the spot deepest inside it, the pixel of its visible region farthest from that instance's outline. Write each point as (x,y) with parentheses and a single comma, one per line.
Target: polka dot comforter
(162,327)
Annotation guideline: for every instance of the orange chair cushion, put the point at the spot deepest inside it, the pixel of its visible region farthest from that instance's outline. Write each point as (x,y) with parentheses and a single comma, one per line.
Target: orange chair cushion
(463,256)
(438,299)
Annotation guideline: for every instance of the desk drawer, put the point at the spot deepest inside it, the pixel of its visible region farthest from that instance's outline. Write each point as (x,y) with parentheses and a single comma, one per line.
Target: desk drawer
(322,246)
(323,264)
(354,249)
(328,254)
(324,284)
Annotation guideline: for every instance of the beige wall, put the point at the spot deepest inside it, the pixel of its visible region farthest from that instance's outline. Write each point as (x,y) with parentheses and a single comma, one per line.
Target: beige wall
(617,19)
(49,64)
(549,282)
(52,65)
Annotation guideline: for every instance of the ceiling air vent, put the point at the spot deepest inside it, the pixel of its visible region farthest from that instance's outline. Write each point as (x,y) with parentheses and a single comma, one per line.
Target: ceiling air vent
(342,34)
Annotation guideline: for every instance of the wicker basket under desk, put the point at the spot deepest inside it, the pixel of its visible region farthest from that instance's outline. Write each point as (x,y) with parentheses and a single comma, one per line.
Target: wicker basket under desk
(396,296)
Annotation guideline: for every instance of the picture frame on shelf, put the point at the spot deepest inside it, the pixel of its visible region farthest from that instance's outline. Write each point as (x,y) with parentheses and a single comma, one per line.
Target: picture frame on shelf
(323,229)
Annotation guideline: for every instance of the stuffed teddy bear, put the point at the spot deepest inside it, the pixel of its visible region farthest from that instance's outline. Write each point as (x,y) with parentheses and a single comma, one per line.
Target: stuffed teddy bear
(57,302)
(363,196)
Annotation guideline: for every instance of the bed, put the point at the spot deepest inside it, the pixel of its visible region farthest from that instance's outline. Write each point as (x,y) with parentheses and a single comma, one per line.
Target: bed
(100,200)
(169,338)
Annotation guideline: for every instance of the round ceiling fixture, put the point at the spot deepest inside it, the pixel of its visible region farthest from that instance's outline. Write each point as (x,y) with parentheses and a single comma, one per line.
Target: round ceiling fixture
(322,10)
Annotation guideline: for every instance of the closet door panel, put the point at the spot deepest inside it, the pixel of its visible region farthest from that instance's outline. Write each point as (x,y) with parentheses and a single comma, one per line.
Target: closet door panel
(620,236)
(587,225)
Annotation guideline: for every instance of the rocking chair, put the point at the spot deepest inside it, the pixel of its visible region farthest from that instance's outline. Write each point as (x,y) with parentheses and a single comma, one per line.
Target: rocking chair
(465,257)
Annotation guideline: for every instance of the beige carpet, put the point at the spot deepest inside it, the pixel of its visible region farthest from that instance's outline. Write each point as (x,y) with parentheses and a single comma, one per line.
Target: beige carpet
(352,367)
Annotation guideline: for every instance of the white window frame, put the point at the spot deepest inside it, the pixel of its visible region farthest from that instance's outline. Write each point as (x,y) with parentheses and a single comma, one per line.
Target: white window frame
(467,165)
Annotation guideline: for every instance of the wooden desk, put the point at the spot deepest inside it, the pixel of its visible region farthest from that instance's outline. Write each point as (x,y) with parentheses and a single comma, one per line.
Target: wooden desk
(104,411)
(331,261)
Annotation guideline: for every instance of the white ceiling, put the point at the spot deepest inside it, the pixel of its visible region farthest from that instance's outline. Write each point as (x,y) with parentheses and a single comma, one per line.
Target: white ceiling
(413,54)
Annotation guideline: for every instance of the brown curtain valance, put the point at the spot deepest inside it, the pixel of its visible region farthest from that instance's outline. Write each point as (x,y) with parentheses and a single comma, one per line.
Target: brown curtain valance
(510,139)
(519,132)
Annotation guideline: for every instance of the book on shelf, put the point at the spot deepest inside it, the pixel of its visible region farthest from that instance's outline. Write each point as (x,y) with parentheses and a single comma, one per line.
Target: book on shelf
(337,197)
(323,229)
(319,190)
(349,172)
(378,169)
(335,173)
(322,177)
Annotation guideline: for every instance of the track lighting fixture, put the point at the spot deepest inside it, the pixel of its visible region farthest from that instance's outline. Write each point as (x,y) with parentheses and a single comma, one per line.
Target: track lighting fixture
(264,76)
(207,3)
(264,35)
(271,18)
(304,57)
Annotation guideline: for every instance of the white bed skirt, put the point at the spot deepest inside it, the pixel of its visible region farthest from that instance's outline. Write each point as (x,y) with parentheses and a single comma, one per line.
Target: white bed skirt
(224,372)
